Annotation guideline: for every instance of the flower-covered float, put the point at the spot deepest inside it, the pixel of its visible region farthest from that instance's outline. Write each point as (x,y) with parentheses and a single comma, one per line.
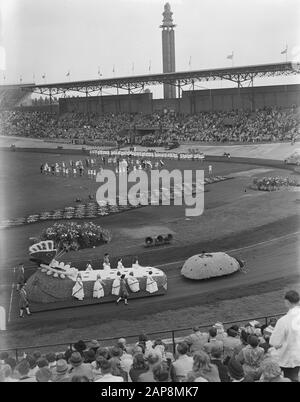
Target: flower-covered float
(210,265)
(56,281)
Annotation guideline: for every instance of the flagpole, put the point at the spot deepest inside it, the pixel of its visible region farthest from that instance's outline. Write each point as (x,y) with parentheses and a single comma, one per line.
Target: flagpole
(149,66)
(286,53)
(232,59)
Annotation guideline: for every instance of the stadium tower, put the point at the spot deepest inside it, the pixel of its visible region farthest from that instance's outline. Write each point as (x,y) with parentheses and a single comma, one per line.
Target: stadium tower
(168,49)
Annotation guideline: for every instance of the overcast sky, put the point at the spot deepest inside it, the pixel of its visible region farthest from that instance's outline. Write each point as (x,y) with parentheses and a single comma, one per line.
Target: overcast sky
(56,36)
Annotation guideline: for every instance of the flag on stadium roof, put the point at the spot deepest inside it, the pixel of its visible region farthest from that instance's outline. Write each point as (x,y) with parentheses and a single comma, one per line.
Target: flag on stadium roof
(285,50)
(230,56)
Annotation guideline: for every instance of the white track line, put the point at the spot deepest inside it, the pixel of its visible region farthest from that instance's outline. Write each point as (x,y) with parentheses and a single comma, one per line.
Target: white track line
(11,296)
(237,249)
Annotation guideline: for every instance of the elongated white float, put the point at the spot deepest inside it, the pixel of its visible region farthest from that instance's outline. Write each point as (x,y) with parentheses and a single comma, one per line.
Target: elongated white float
(54,280)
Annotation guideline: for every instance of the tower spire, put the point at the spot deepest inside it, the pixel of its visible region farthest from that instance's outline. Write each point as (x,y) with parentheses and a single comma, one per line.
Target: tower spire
(168,49)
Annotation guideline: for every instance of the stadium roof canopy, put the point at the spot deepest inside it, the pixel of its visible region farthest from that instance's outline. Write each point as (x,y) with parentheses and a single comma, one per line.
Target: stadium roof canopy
(238,75)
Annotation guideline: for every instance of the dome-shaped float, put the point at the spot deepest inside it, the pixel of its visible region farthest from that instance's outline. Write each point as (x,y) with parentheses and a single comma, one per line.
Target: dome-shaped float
(210,265)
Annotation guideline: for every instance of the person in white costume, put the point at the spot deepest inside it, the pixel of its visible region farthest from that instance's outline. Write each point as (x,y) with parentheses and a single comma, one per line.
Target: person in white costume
(98,290)
(120,265)
(135,263)
(115,290)
(89,266)
(77,290)
(210,170)
(151,284)
(133,283)
(106,262)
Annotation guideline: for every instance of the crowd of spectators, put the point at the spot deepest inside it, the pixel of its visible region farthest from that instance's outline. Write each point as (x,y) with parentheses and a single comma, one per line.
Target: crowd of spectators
(156,129)
(252,353)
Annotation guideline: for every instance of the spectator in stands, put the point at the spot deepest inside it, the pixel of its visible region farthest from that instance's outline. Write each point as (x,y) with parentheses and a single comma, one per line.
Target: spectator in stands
(44,374)
(182,365)
(80,368)
(94,345)
(221,334)
(7,373)
(107,375)
(3,357)
(268,329)
(117,370)
(203,369)
(161,373)
(22,371)
(139,366)
(51,358)
(80,347)
(286,337)
(251,357)
(11,362)
(231,343)
(60,373)
(89,356)
(42,362)
(213,342)
(216,359)
(80,378)
(32,364)
(271,372)
(235,371)
(126,359)
(145,343)
(153,361)
(197,340)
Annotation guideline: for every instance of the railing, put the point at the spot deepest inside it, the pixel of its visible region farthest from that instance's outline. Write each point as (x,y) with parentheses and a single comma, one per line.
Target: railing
(170,341)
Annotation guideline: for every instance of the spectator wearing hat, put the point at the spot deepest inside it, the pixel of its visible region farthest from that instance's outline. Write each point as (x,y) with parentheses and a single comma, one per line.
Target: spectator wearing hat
(22,371)
(216,359)
(80,368)
(203,369)
(94,344)
(196,340)
(213,342)
(107,376)
(286,337)
(182,365)
(139,366)
(271,372)
(251,357)
(44,374)
(60,373)
(153,360)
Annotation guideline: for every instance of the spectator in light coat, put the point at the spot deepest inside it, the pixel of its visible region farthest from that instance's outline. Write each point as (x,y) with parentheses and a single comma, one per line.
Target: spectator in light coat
(286,337)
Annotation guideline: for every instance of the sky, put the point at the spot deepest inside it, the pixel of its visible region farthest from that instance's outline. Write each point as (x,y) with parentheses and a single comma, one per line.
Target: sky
(53,37)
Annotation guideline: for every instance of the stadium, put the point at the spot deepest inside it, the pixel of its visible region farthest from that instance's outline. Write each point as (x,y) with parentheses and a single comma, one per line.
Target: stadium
(197,296)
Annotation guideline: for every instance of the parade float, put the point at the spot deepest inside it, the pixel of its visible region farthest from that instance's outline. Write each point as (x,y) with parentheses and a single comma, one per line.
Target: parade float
(210,265)
(57,282)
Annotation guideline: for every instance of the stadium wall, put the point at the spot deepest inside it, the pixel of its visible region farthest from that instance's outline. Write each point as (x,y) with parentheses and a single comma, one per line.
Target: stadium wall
(138,103)
(249,98)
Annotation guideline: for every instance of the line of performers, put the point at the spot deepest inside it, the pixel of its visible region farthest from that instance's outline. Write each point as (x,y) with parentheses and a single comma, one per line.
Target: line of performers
(121,285)
(90,167)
